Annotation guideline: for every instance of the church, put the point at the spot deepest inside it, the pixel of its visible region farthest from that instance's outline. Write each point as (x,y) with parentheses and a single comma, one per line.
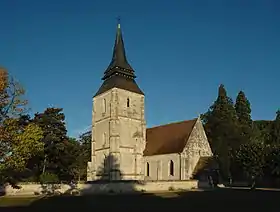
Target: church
(122,148)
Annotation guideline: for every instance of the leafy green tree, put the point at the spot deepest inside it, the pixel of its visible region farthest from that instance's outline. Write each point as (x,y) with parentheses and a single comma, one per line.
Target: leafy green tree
(12,105)
(19,139)
(251,157)
(82,155)
(243,112)
(26,144)
(273,161)
(262,131)
(221,128)
(21,145)
(275,130)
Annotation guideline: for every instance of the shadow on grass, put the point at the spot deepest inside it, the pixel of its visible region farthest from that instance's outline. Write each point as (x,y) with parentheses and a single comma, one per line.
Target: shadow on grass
(218,200)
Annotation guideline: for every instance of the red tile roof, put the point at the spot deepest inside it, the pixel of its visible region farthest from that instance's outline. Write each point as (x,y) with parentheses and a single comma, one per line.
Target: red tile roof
(170,138)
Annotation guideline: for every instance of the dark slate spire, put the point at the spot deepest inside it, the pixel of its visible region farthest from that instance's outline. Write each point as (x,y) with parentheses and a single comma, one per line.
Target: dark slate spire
(119,64)
(119,73)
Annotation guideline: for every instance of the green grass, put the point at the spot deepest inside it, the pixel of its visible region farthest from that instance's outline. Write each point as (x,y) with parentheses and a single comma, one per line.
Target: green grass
(218,200)
(16,201)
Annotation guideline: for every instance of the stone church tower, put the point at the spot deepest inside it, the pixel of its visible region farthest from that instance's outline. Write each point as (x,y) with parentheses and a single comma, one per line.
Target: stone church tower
(118,122)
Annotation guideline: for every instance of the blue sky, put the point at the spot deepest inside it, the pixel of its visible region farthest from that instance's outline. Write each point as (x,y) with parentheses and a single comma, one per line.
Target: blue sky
(181,51)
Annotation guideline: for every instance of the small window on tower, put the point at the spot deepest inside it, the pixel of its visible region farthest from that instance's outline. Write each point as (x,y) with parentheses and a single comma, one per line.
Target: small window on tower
(148,169)
(171,168)
(127,102)
(104,106)
(104,138)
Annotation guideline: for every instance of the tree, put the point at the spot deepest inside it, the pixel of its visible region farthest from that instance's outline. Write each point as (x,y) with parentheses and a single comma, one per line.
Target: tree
(262,131)
(12,103)
(82,154)
(273,160)
(251,157)
(243,112)
(19,139)
(25,145)
(52,122)
(21,144)
(221,128)
(275,130)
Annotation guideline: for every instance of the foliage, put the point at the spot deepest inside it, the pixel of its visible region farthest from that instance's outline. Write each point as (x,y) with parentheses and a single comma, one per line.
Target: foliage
(262,131)
(52,122)
(66,157)
(82,155)
(48,177)
(20,144)
(12,103)
(251,157)
(243,112)
(275,129)
(19,139)
(36,148)
(221,128)
(26,145)
(273,160)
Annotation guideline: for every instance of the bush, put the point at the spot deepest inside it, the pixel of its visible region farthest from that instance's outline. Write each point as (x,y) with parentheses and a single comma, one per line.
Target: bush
(31,179)
(48,177)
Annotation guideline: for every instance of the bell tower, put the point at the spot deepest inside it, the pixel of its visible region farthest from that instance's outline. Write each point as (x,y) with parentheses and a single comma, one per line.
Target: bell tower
(118,122)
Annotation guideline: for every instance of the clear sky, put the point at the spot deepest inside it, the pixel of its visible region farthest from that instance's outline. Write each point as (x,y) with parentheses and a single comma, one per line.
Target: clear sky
(181,51)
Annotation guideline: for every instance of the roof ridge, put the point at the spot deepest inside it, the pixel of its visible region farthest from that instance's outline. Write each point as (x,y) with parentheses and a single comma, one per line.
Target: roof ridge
(171,123)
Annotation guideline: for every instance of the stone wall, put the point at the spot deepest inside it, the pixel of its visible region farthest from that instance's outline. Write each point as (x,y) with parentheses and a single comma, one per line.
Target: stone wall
(197,146)
(184,163)
(119,187)
(159,167)
(38,189)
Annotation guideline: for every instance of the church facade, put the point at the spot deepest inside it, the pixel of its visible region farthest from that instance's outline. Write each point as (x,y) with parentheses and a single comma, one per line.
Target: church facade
(122,148)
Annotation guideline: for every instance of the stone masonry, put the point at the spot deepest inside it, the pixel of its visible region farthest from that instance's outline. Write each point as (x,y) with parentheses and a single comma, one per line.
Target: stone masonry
(119,130)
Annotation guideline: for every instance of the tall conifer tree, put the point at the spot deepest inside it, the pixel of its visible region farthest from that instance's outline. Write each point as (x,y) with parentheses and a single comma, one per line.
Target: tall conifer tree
(243,112)
(275,131)
(221,128)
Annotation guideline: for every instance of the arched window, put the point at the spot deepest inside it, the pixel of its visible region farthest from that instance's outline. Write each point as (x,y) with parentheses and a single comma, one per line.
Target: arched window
(148,169)
(171,168)
(104,105)
(127,102)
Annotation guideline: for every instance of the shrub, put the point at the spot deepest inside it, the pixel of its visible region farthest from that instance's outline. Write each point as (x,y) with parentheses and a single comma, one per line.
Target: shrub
(48,177)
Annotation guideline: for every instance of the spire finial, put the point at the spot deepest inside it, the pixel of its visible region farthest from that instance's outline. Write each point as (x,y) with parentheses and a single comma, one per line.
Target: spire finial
(119,22)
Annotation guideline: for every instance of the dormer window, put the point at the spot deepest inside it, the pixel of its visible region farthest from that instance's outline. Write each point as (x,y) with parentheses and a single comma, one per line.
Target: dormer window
(127,102)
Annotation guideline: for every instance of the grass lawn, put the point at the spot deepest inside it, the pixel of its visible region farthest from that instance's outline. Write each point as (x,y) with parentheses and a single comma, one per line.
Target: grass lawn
(218,200)
(16,201)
